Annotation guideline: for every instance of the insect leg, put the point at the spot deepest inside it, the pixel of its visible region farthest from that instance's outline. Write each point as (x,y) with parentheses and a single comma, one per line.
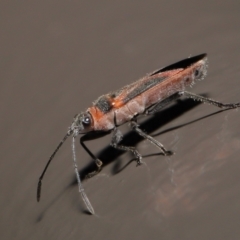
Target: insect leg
(80,187)
(163,103)
(208,100)
(158,106)
(136,128)
(98,162)
(117,137)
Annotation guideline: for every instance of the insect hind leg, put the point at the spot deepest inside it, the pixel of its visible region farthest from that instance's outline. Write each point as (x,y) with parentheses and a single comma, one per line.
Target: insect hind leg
(153,141)
(208,100)
(161,104)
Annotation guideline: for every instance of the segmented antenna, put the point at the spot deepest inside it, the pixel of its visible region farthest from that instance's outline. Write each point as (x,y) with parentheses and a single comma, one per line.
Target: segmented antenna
(80,187)
(49,161)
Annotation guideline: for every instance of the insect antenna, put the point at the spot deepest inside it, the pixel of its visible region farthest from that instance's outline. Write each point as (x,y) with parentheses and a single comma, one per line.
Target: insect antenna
(49,161)
(80,187)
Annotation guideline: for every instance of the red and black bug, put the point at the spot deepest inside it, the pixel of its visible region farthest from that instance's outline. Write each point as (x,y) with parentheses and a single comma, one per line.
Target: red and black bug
(143,97)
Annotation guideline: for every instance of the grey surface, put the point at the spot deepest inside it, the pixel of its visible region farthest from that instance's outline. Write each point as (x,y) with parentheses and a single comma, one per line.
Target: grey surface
(56,58)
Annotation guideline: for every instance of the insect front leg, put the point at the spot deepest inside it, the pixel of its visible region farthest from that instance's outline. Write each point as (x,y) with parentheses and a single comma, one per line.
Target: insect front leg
(136,128)
(116,138)
(98,162)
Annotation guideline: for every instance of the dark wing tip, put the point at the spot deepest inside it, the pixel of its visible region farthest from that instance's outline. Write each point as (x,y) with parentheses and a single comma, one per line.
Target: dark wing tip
(181,64)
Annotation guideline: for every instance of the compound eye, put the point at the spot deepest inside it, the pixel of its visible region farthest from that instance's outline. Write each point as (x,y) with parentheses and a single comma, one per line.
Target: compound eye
(86,121)
(196,73)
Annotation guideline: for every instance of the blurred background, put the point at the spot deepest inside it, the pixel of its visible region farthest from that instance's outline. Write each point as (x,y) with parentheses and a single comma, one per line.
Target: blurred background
(59,56)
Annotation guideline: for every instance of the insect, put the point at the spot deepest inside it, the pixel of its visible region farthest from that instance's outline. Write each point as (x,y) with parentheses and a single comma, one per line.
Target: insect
(144,97)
